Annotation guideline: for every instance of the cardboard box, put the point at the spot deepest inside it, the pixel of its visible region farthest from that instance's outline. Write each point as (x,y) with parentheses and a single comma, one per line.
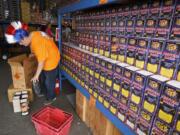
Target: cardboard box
(23,69)
(11,91)
(81,105)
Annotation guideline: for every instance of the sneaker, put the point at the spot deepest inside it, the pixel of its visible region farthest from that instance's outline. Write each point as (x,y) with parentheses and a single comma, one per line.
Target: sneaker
(40,95)
(54,99)
(48,102)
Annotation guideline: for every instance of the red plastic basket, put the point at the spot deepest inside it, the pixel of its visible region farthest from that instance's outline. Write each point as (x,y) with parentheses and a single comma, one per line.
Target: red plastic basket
(52,121)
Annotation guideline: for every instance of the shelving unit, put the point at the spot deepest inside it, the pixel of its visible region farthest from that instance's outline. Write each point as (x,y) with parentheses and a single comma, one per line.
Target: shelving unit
(85,4)
(111,57)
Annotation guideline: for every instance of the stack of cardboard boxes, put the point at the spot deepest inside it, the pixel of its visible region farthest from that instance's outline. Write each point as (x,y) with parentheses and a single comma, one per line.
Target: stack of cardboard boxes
(23,69)
(88,113)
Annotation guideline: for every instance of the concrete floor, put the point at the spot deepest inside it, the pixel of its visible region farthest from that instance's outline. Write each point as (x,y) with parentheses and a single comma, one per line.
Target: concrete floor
(15,124)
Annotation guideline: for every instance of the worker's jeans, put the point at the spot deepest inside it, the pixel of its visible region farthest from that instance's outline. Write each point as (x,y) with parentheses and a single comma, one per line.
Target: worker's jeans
(48,82)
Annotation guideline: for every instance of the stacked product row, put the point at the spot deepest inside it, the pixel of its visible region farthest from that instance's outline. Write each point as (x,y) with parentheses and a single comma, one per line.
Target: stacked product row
(157,19)
(147,103)
(154,55)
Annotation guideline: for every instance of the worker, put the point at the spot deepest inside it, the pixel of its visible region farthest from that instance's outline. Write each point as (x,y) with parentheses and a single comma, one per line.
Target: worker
(44,49)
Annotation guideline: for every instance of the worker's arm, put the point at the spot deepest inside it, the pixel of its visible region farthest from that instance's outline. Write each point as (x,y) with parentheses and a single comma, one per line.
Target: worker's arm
(38,71)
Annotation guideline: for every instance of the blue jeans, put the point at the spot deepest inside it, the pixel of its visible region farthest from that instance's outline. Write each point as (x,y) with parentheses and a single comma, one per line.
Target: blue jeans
(48,82)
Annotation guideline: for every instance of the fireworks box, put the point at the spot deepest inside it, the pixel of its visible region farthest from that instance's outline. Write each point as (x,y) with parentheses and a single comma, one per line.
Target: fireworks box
(170,59)
(121,25)
(144,9)
(107,45)
(107,24)
(143,127)
(116,86)
(177,8)
(130,26)
(150,26)
(176,127)
(155,8)
(175,30)
(102,44)
(131,50)
(160,128)
(91,42)
(154,56)
(163,27)
(114,47)
(119,69)
(167,8)
(139,26)
(127,80)
(122,111)
(114,25)
(126,11)
(135,10)
(169,102)
(95,44)
(106,101)
(102,94)
(177,74)
(102,25)
(95,92)
(131,118)
(154,87)
(128,74)
(122,49)
(137,90)
(91,88)
(142,53)
(97,25)
(113,106)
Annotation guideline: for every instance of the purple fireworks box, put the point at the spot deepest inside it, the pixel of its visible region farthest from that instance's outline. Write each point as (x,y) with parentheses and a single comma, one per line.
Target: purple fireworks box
(113,106)
(91,42)
(177,73)
(122,111)
(155,55)
(131,119)
(114,47)
(127,80)
(110,66)
(95,43)
(137,90)
(117,78)
(176,127)
(154,8)
(168,108)
(150,26)
(154,87)
(144,9)
(102,43)
(170,59)
(142,52)
(143,127)
(131,50)
(107,45)
(122,48)
(101,95)
(107,23)
(139,25)
(114,25)
(121,25)
(130,23)
(175,30)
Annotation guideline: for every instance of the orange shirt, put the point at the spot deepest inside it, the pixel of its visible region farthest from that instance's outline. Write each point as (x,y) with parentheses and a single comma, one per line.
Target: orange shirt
(45,49)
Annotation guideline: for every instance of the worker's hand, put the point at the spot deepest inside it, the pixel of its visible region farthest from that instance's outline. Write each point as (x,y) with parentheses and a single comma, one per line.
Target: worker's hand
(35,79)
